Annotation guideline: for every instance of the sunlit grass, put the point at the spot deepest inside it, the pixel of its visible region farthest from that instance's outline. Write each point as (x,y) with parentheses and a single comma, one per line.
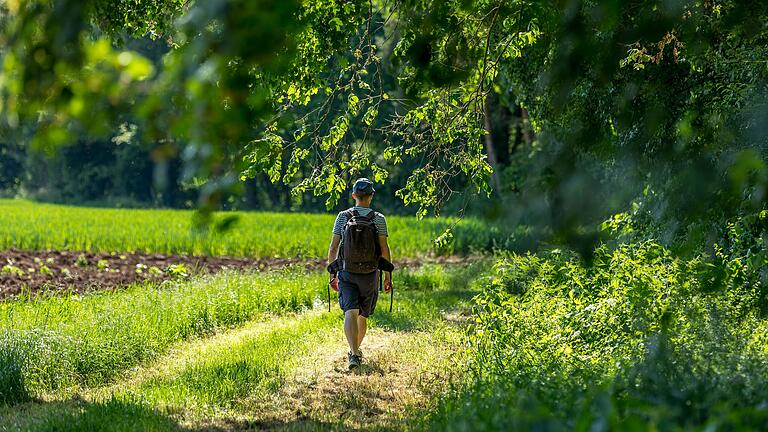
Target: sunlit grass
(234,371)
(57,342)
(35,226)
(251,366)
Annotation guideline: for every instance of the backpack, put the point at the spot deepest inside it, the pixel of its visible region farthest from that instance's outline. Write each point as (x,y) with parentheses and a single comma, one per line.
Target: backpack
(360,251)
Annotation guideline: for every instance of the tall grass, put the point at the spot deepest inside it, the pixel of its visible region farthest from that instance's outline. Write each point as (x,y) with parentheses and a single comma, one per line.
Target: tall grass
(34,226)
(57,342)
(424,295)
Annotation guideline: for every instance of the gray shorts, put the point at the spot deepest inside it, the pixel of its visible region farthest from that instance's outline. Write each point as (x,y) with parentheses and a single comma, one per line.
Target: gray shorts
(358,291)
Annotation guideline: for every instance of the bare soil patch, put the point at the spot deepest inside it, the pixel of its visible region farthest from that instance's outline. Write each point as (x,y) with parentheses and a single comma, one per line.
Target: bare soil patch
(33,272)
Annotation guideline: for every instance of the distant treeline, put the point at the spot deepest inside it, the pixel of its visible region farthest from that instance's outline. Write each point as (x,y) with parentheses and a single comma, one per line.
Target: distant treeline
(116,173)
(125,174)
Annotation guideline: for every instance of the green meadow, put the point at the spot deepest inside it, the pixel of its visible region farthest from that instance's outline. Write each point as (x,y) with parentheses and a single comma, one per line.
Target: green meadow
(175,357)
(33,226)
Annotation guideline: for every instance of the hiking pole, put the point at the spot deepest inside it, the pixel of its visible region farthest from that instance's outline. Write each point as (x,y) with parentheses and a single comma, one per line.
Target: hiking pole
(333,269)
(385,265)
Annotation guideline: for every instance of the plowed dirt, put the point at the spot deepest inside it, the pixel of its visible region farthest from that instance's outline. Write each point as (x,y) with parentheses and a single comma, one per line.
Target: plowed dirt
(33,272)
(83,271)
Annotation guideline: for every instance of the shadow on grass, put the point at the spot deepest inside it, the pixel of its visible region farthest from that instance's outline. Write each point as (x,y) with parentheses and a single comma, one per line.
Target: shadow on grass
(301,423)
(126,414)
(116,414)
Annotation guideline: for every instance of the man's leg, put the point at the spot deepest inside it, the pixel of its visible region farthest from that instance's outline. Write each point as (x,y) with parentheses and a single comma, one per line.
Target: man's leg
(362,326)
(369,292)
(351,330)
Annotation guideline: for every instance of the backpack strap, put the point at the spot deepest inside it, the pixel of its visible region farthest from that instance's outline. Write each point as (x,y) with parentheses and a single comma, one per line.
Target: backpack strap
(351,213)
(372,219)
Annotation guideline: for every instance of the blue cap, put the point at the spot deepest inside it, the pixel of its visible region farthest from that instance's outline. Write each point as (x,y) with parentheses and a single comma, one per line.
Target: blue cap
(363,186)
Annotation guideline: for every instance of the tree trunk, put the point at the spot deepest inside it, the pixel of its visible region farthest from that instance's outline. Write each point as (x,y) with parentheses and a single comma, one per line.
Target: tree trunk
(489,147)
(526,126)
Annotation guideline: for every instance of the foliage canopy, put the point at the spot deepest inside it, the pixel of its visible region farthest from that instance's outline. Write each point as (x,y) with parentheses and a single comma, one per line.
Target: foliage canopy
(651,108)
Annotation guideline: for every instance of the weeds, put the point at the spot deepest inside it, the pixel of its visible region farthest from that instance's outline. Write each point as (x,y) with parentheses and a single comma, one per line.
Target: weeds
(635,341)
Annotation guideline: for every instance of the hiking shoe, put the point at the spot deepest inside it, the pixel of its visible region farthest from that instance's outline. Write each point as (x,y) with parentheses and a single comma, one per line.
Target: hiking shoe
(353,361)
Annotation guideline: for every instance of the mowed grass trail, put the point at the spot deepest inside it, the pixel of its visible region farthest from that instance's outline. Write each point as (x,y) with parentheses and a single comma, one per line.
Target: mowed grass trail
(283,372)
(35,226)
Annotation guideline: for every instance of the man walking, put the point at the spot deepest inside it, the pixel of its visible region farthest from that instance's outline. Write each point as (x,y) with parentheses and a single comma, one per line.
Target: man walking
(365,234)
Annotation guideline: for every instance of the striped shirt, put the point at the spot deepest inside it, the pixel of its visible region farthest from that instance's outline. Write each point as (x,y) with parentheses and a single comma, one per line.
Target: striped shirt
(343,218)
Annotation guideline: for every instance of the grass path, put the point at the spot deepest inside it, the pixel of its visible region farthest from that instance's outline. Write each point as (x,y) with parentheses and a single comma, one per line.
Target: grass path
(281,373)
(401,377)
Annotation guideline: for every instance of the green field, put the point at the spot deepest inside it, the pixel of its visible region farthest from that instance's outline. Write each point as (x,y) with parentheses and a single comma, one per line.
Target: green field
(163,357)
(637,339)
(33,226)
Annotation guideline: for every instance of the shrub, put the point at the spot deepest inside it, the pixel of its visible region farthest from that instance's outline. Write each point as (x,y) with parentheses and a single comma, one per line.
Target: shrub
(637,339)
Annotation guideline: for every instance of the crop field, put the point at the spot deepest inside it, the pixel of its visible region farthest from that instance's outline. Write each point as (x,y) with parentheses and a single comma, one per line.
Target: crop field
(28,272)
(107,324)
(32,226)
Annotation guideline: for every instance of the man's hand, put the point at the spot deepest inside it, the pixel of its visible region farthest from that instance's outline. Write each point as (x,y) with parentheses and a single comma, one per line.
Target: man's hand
(387,282)
(334,282)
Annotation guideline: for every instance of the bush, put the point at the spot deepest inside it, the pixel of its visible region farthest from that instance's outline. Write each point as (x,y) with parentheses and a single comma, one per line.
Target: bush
(637,339)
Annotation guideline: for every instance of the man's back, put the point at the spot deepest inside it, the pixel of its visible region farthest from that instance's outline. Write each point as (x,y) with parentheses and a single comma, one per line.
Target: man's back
(343,217)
